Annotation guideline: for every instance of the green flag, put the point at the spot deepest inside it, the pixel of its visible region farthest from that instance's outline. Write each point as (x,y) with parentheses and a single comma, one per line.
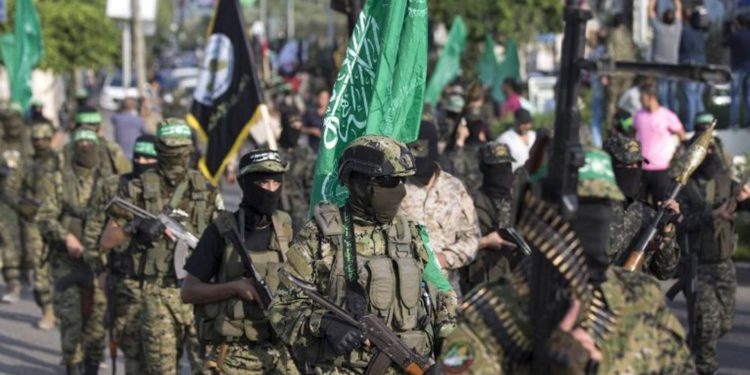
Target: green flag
(22,51)
(487,66)
(508,68)
(449,63)
(379,88)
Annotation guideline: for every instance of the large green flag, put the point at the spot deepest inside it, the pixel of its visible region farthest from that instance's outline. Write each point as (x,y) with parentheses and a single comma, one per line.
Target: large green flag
(508,68)
(22,51)
(487,65)
(379,88)
(449,63)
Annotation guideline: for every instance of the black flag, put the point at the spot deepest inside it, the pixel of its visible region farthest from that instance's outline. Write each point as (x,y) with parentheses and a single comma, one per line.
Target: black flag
(227,98)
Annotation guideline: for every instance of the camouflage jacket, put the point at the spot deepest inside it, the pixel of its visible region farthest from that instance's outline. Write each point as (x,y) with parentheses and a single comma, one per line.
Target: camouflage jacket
(463,163)
(316,256)
(36,170)
(97,219)
(297,187)
(628,222)
(14,155)
(446,209)
(646,338)
(112,161)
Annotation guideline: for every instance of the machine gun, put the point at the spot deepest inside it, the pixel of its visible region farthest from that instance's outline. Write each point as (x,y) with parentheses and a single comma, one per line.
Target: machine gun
(693,158)
(389,347)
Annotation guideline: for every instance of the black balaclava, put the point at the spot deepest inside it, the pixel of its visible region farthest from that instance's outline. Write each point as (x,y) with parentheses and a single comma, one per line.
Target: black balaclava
(592,229)
(476,127)
(710,167)
(372,202)
(143,141)
(173,161)
(86,154)
(497,179)
(629,180)
(257,202)
(289,135)
(425,158)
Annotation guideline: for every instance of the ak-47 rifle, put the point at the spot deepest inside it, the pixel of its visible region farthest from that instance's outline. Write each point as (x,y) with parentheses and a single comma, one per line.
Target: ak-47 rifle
(687,283)
(82,277)
(693,158)
(110,320)
(260,285)
(181,234)
(389,348)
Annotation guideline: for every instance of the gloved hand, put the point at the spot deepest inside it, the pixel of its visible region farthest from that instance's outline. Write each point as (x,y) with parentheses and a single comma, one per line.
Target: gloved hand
(342,336)
(149,230)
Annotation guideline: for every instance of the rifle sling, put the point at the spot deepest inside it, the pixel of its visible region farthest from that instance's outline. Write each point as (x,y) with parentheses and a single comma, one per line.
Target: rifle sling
(355,294)
(237,237)
(178,193)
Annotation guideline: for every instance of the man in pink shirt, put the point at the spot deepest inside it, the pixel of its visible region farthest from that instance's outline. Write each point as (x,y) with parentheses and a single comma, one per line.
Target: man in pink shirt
(655,127)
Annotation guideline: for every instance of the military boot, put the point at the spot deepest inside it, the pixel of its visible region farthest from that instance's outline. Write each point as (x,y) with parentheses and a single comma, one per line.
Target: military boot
(12,292)
(47,322)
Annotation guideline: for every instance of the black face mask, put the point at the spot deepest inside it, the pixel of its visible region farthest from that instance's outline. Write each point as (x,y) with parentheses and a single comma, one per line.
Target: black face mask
(289,137)
(710,167)
(497,179)
(629,180)
(86,156)
(139,168)
(425,152)
(476,127)
(257,199)
(592,228)
(375,203)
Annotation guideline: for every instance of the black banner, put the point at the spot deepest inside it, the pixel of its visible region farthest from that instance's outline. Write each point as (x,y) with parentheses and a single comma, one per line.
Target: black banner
(227,98)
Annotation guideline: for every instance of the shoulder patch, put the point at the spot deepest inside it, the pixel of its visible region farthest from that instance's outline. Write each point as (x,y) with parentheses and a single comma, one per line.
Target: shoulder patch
(329,219)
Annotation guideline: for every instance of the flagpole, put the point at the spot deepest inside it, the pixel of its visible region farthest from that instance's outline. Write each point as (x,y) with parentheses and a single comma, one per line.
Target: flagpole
(265,118)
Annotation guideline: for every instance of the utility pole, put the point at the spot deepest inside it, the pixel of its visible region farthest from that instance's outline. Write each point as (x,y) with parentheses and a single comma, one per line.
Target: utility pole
(140,48)
(127,54)
(290,19)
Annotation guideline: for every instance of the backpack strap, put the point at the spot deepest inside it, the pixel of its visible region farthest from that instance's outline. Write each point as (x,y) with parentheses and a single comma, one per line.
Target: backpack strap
(282,229)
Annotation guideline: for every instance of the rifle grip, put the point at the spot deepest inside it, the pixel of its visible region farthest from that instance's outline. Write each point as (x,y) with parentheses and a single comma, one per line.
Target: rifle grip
(413,369)
(635,260)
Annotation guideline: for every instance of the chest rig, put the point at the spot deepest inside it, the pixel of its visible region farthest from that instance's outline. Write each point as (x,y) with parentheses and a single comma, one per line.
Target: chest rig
(235,319)
(718,244)
(190,197)
(382,275)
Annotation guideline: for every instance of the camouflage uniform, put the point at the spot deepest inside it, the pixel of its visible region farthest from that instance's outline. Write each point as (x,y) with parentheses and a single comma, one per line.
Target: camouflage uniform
(493,214)
(255,349)
(394,258)
(625,314)
(632,216)
(713,239)
(166,325)
(15,149)
(448,213)
(111,158)
(295,198)
(79,303)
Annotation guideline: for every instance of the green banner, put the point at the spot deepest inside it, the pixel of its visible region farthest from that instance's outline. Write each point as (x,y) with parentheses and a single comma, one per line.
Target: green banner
(22,51)
(487,65)
(449,63)
(508,68)
(379,88)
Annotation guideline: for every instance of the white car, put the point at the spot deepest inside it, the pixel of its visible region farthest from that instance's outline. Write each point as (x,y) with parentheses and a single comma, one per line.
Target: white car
(113,93)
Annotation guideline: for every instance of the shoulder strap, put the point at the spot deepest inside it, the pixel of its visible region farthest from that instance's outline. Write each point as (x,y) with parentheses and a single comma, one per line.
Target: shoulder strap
(178,193)
(355,294)
(282,234)
(328,218)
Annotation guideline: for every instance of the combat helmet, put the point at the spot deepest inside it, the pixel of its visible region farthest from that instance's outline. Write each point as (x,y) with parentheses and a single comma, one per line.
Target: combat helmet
(376,156)
(495,153)
(262,161)
(623,150)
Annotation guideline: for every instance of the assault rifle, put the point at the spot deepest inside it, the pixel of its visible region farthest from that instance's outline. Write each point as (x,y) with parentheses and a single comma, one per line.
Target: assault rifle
(110,320)
(389,347)
(261,287)
(82,277)
(518,240)
(181,234)
(693,158)
(687,283)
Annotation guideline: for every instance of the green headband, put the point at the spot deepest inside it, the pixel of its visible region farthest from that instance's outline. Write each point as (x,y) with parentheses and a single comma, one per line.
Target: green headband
(89,118)
(144,148)
(705,118)
(178,130)
(598,166)
(85,135)
(626,123)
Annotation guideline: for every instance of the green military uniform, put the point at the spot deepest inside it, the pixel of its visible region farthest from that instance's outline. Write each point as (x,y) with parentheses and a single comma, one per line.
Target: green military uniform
(632,215)
(79,304)
(297,186)
(15,149)
(713,239)
(238,337)
(624,314)
(124,295)
(44,164)
(494,212)
(166,323)
(393,257)
(111,158)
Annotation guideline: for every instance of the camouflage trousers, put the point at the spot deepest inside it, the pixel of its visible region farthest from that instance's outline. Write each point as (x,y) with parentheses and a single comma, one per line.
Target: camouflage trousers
(167,329)
(128,305)
(714,311)
(35,247)
(250,359)
(82,332)
(14,256)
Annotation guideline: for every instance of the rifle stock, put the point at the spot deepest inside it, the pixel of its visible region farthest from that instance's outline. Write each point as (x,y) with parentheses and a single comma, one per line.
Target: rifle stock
(664,216)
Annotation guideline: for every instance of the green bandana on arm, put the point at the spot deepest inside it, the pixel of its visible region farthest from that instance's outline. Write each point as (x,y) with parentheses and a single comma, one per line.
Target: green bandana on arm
(432,272)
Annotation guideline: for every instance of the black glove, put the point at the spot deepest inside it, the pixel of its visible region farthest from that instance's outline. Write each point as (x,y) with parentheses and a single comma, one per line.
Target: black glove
(342,336)
(148,230)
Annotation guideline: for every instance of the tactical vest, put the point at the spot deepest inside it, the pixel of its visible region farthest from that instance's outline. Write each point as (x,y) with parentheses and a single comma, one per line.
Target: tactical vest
(392,280)
(74,211)
(717,241)
(235,319)
(158,260)
(124,263)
